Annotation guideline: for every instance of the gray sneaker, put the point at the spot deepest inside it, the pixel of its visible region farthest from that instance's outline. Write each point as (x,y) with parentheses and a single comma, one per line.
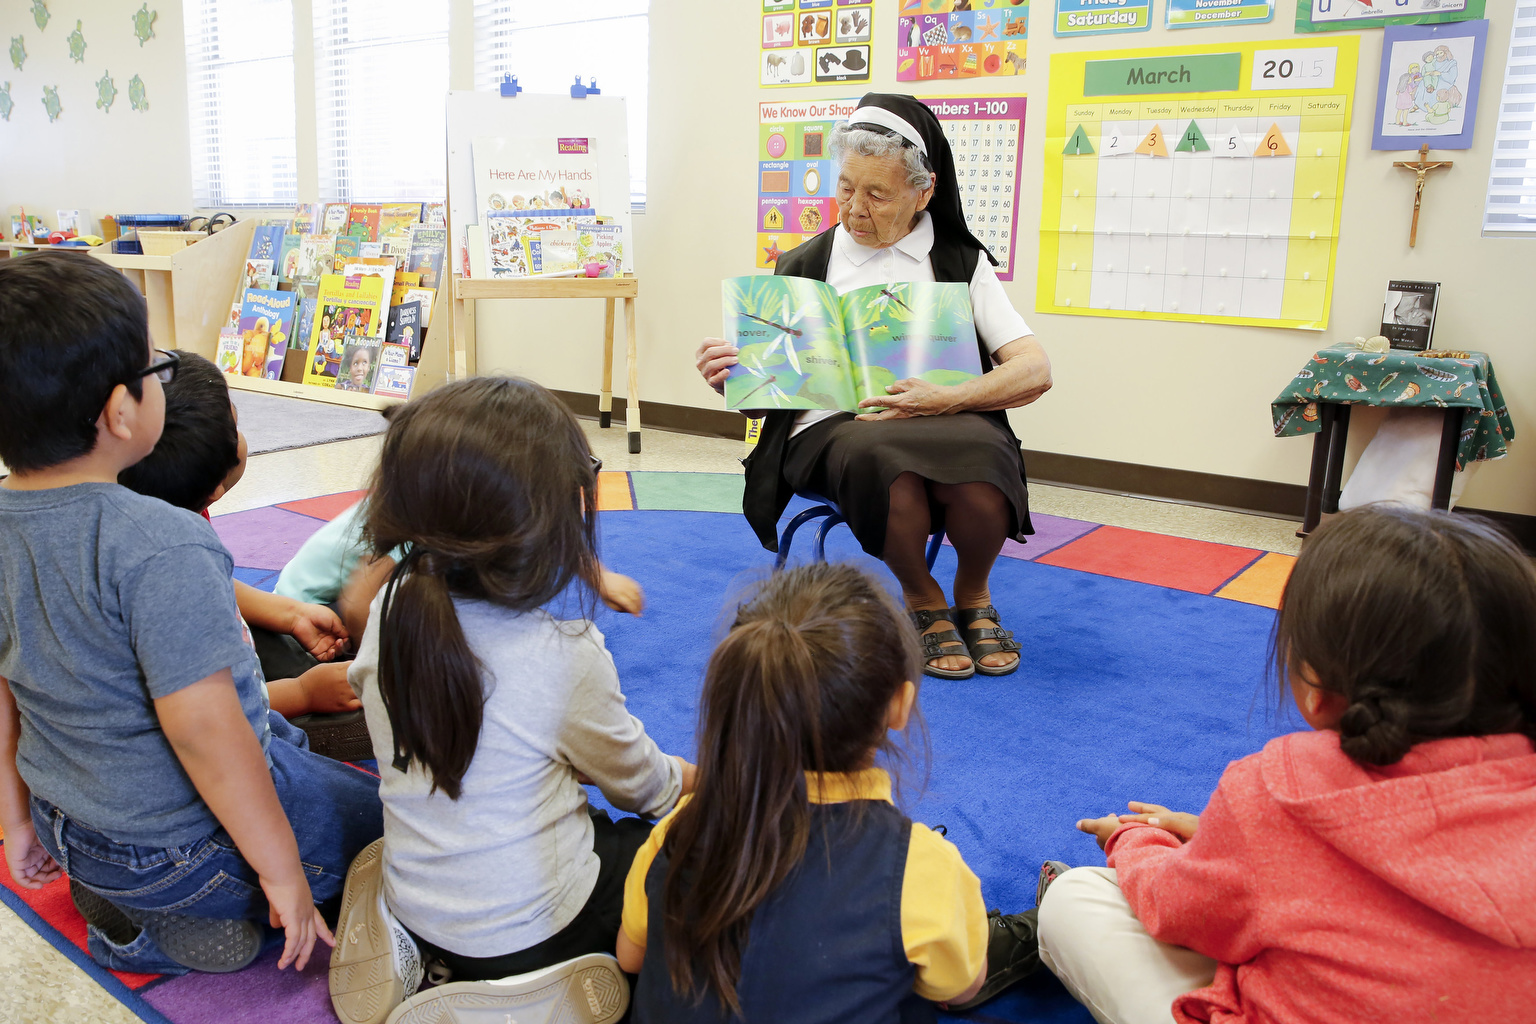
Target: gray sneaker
(587,990)
(209,944)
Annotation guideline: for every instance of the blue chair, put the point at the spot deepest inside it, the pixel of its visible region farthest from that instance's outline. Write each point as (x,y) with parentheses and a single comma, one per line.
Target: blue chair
(833,515)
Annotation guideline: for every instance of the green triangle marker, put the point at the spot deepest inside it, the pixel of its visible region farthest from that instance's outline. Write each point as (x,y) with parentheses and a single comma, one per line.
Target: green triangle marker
(1078,144)
(1193,140)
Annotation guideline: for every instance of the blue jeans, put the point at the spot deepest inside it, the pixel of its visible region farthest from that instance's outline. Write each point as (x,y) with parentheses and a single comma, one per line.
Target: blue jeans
(334,811)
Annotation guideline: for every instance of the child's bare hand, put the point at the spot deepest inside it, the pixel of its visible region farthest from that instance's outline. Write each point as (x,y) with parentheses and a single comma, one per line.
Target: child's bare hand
(294,911)
(1100,828)
(621,593)
(318,630)
(1178,822)
(31,866)
(326,690)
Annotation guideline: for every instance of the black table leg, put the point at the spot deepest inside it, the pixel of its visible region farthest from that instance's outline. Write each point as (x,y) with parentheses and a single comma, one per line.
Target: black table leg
(1333,482)
(1445,469)
(1314,507)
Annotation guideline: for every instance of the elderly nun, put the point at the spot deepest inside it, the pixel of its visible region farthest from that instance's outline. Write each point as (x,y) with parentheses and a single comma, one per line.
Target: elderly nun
(926,456)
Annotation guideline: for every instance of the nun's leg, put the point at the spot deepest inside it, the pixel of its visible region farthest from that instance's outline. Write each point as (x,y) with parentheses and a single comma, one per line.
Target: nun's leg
(977,517)
(906,543)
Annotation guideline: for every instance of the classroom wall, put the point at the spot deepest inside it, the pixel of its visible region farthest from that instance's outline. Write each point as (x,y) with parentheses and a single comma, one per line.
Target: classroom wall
(1181,396)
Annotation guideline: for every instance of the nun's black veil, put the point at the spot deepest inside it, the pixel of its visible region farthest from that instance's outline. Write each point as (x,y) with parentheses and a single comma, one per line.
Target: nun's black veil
(944,207)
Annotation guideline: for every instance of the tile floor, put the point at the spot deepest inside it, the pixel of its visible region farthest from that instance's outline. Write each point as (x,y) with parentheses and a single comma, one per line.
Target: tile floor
(49,987)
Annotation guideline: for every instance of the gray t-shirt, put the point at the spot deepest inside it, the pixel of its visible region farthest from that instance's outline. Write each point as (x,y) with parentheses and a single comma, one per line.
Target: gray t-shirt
(511,862)
(109,600)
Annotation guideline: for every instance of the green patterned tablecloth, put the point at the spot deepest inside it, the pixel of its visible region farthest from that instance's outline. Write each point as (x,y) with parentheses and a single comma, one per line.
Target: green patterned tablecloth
(1345,375)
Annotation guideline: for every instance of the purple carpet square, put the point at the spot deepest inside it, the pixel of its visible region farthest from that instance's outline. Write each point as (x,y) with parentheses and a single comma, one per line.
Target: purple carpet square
(259,994)
(1051,532)
(264,538)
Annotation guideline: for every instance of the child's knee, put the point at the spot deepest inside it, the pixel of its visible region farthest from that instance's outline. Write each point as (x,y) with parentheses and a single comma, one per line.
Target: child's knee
(1077,904)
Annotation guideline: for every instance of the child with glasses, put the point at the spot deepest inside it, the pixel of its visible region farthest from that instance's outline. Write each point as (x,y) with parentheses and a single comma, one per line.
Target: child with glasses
(136,754)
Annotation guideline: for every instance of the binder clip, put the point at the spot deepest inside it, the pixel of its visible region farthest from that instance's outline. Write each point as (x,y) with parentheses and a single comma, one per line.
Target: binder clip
(579,91)
(509,86)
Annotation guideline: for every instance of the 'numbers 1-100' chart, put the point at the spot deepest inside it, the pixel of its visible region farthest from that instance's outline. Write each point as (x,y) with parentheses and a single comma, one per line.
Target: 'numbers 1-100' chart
(1196,184)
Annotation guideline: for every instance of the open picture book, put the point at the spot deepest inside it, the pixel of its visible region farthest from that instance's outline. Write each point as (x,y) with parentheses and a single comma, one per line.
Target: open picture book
(803,346)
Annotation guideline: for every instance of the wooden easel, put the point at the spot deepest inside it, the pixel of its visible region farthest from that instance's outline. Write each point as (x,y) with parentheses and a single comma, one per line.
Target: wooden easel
(467,291)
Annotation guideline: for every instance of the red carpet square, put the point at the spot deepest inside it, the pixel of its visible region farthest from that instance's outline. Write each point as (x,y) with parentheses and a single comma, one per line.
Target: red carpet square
(1194,565)
(327,506)
(52,904)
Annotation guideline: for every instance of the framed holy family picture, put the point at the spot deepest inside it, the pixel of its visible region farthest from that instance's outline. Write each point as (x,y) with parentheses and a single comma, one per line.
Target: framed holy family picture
(1429,85)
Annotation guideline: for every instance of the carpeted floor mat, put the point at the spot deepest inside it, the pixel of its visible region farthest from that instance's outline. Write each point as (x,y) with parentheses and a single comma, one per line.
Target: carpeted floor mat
(274,423)
(1128,690)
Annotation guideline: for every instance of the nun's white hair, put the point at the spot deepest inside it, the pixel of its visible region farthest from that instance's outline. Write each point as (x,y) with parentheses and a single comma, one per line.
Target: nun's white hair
(846,140)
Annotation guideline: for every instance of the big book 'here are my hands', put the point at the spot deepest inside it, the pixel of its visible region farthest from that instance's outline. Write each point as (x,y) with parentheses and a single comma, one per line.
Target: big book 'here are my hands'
(803,346)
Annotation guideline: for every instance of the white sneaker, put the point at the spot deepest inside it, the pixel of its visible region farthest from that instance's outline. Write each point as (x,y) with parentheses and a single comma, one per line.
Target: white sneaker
(587,990)
(375,963)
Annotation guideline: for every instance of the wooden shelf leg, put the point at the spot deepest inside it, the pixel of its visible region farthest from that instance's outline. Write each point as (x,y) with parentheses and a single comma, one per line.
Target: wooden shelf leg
(632,406)
(605,397)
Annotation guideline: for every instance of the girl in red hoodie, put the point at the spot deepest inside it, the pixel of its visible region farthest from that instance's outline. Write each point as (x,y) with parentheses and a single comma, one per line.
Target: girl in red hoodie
(1380,868)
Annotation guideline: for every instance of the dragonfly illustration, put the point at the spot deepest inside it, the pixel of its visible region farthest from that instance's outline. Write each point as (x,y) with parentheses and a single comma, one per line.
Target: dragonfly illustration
(787,331)
(884,299)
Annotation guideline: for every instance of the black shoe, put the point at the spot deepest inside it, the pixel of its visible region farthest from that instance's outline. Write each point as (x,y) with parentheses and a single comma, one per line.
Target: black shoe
(1013,954)
(342,736)
(103,914)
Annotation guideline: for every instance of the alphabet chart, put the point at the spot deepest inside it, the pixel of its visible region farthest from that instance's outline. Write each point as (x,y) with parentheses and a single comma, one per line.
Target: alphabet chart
(1200,184)
(960,39)
(811,42)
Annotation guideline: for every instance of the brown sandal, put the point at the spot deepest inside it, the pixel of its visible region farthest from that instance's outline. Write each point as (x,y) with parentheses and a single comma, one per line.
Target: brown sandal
(932,648)
(981,641)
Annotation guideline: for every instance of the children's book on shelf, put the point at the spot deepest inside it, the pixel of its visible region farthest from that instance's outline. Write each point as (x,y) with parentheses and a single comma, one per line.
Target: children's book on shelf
(551,252)
(359,363)
(394,354)
(370,250)
(288,258)
(1408,315)
(602,244)
(227,356)
(405,329)
(306,219)
(266,244)
(266,321)
(257,271)
(435,215)
(397,218)
(347,312)
(363,221)
(394,381)
(425,297)
(802,346)
(344,250)
(316,253)
(383,269)
(334,219)
(429,247)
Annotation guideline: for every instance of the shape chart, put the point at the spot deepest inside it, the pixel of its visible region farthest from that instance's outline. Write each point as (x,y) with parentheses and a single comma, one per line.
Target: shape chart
(1217,206)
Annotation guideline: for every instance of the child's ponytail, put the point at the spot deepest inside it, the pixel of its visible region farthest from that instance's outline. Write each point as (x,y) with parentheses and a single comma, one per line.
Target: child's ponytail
(489,485)
(800,685)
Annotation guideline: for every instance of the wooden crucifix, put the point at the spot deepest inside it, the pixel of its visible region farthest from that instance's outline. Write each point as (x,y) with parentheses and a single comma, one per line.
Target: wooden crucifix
(1420,167)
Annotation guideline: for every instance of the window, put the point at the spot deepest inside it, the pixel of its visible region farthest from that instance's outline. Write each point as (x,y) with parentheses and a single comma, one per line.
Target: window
(240,102)
(1511,205)
(546,45)
(381,71)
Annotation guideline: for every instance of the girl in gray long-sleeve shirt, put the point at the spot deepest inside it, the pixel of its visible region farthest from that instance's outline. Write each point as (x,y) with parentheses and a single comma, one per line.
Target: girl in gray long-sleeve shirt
(485,709)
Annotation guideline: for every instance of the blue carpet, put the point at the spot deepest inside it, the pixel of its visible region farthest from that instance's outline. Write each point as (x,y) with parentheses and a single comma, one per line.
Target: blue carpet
(1127,691)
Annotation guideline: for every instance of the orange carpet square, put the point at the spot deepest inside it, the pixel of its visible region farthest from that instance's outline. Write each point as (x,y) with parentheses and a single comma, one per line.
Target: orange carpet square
(327,506)
(1194,565)
(1262,582)
(613,492)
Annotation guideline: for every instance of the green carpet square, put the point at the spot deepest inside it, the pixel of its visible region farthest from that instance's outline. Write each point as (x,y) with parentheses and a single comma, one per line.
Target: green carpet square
(688,492)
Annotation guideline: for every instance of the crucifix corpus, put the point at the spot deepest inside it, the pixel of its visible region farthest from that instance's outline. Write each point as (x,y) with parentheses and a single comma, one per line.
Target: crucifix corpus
(1419,167)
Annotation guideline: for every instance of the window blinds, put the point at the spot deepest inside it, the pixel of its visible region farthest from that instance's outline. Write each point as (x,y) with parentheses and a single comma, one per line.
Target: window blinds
(381,72)
(546,45)
(240,102)
(1511,205)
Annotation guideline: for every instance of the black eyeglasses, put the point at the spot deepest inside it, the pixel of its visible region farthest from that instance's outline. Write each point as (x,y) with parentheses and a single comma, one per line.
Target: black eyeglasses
(164,367)
(597,463)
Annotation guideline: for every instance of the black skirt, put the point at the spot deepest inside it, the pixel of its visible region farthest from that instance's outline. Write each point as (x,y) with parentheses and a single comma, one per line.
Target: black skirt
(855,462)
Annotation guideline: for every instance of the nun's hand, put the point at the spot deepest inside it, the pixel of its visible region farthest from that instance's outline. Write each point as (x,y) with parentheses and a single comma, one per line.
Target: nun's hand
(714,360)
(911,397)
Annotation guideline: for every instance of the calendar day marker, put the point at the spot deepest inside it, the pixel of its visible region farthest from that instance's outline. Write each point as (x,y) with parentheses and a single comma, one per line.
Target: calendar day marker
(1078,144)
(1232,144)
(1192,141)
(1153,144)
(1274,143)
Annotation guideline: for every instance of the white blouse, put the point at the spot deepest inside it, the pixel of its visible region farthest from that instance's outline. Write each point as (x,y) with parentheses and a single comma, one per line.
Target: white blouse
(858,266)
